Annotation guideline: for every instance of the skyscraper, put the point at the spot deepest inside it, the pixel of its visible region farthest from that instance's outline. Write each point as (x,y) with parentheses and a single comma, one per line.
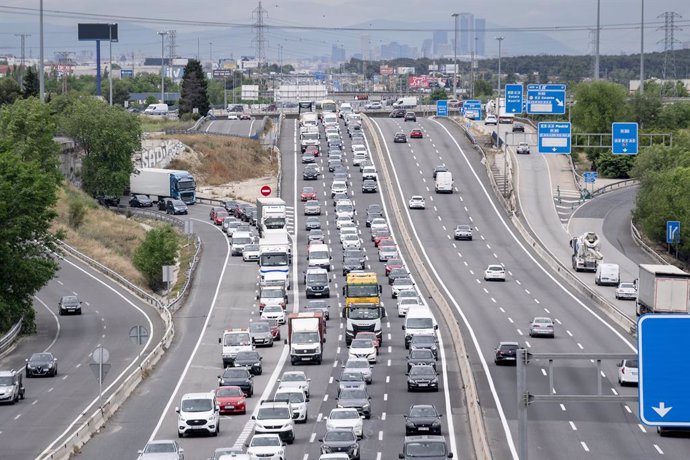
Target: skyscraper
(427,46)
(480,34)
(337,53)
(440,38)
(466,33)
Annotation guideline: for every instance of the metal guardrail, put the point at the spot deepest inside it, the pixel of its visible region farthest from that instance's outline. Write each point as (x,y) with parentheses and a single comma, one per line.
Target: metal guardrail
(637,238)
(213,201)
(8,339)
(615,186)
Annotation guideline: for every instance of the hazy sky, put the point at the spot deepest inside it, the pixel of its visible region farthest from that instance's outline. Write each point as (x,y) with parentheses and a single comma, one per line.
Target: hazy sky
(343,13)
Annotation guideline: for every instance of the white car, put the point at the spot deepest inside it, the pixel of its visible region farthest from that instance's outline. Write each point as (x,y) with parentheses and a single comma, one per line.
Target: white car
(345,208)
(417,202)
(250,253)
(350,241)
(336,456)
(359,148)
(373,106)
(378,224)
(348,225)
(627,291)
(359,157)
(345,418)
(387,252)
(298,402)
(348,230)
(404,304)
(495,273)
(542,326)
(401,284)
(359,365)
(627,372)
(295,379)
(274,312)
(362,348)
(161,450)
(266,446)
(339,221)
(491,120)
(338,186)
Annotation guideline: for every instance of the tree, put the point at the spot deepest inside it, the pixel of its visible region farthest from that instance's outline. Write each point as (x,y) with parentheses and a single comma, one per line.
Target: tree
(439,94)
(120,94)
(31,83)
(597,105)
(482,88)
(159,248)
(9,91)
(193,92)
(109,137)
(645,109)
(674,116)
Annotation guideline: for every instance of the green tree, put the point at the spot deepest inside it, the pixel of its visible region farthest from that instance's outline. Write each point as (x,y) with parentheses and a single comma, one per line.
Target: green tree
(31,83)
(645,109)
(9,91)
(109,137)
(597,105)
(482,88)
(120,94)
(439,94)
(193,92)
(159,248)
(150,100)
(615,166)
(674,116)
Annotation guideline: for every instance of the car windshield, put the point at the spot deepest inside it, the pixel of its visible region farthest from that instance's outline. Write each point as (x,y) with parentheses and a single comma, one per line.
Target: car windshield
(425,371)
(248,356)
(318,254)
(321,278)
(233,340)
(344,414)
(631,363)
(41,357)
(509,347)
(353,394)
(423,339)
(6,381)
(308,190)
(344,208)
(339,436)
(70,300)
(241,240)
(421,353)
(419,323)
(361,343)
(274,260)
(423,411)
(265,441)
(197,405)
(231,373)
(402,281)
(272,293)
(294,378)
(251,247)
(357,364)
(464,227)
(293,397)
(259,327)
(267,413)
(160,448)
(423,449)
(542,321)
(310,136)
(273,308)
(229,391)
(626,286)
(356,312)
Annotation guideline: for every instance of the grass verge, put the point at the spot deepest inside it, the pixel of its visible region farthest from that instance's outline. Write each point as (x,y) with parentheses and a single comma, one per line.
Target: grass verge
(149,123)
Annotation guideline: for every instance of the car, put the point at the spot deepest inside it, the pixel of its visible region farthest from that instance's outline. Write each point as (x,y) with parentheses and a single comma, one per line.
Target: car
(237,377)
(417,202)
(250,253)
(388,252)
(161,450)
(266,446)
(417,356)
(275,328)
(345,208)
(355,399)
(338,186)
(245,116)
(216,209)
(308,193)
(359,365)
(405,303)
(491,120)
(220,216)
(439,168)
(345,418)
(369,186)
(626,291)
(341,221)
(340,440)
(312,223)
(69,304)
(351,380)
(373,106)
(397,113)
(297,400)
(273,312)
(313,150)
(506,352)
(495,273)
(463,232)
(422,377)
(522,148)
(397,272)
(233,116)
(400,137)
(308,158)
(295,379)
(542,326)
(627,372)
(140,201)
(11,386)
(319,305)
(363,348)
(261,333)
(410,116)
(315,235)
(310,172)
(312,208)
(518,128)
(231,400)
(198,413)
(401,284)
(416,134)
(229,453)
(422,419)
(391,264)
(41,365)
(355,254)
(427,342)
(425,447)
(251,360)
(351,264)
(364,164)
(350,241)
(369,335)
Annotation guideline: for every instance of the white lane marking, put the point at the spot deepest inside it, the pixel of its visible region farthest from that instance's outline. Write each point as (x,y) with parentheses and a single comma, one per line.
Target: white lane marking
(385,396)
(17,416)
(543,371)
(319,417)
(390,349)
(613,390)
(527,344)
(388,363)
(388,379)
(519,332)
(57,322)
(60,282)
(584,446)
(527,291)
(627,409)
(383,416)
(642,428)
(510,320)
(330,380)
(34,402)
(572,425)
(380,435)
(658,449)
(558,321)
(569,333)
(547,310)
(312,437)
(502,310)
(562,407)
(580,346)
(518,282)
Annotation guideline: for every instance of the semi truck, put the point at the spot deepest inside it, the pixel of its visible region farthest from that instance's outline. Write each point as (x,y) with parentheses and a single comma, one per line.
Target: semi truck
(306,336)
(363,310)
(270,214)
(159,184)
(662,289)
(586,255)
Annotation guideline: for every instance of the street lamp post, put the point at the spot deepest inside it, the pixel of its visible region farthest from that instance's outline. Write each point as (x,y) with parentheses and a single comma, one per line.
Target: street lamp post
(596,49)
(41,72)
(163,34)
(110,61)
(455,56)
(642,49)
(498,124)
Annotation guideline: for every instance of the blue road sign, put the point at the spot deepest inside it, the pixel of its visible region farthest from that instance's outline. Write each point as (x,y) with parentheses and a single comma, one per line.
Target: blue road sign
(514,98)
(590,176)
(473,105)
(442,108)
(663,384)
(624,137)
(546,99)
(672,231)
(126,73)
(554,137)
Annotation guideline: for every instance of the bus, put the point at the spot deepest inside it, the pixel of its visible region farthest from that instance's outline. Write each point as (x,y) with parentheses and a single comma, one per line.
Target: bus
(363,310)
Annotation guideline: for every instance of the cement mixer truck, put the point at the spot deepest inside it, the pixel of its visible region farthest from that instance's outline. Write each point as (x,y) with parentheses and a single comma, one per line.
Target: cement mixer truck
(586,253)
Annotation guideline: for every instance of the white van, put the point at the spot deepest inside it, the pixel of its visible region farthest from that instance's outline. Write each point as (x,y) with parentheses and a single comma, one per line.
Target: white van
(156,109)
(238,241)
(444,182)
(418,321)
(607,275)
(320,256)
(200,407)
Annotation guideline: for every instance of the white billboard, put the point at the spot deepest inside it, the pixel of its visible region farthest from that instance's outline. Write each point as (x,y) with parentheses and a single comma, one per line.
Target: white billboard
(250,92)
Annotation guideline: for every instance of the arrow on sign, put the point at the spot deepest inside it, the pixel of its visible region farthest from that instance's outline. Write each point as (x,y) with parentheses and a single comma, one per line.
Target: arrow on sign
(662,409)
(625,150)
(553,149)
(559,103)
(513,110)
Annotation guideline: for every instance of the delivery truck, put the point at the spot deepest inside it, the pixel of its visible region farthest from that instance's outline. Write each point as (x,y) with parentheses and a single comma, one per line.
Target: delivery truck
(159,184)
(405,102)
(306,336)
(270,214)
(662,289)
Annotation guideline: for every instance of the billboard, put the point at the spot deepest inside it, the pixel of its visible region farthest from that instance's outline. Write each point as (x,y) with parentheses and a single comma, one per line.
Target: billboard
(250,92)
(97,32)
(425,81)
(385,70)
(404,70)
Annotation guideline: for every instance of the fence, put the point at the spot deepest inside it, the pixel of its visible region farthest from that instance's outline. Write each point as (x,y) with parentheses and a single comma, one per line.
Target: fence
(7,340)
(615,186)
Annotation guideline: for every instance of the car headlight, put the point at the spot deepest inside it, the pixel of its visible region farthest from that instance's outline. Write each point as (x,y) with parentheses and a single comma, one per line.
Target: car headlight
(256,364)
(366,406)
(434,381)
(436,423)
(410,424)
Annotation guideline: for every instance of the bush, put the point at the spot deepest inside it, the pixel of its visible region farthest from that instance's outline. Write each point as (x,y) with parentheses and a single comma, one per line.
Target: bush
(615,166)
(160,247)
(77,213)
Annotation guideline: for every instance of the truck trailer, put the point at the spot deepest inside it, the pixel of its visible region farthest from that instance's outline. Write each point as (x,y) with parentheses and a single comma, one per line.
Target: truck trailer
(662,289)
(306,336)
(270,214)
(159,184)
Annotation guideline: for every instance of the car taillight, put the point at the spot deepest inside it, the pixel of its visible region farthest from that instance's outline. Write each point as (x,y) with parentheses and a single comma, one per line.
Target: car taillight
(262,305)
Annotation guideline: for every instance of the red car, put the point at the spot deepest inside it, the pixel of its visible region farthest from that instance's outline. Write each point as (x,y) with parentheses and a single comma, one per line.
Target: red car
(308,193)
(313,149)
(416,134)
(231,400)
(214,210)
(381,238)
(393,263)
(219,217)
(369,335)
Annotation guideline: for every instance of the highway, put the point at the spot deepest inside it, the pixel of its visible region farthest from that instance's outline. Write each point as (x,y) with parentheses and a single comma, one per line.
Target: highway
(498,311)
(240,128)
(52,404)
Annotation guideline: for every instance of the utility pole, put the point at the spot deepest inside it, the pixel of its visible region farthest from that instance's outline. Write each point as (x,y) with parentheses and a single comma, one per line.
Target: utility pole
(163,34)
(22,61)
(455,56)
(210,54)
(41,76)
(669,28)
(259,39)
(110,61)
(498,125)
(642,49)
(596,49)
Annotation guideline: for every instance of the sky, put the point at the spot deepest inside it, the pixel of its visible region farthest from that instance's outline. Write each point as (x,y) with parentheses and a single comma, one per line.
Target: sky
(214,18)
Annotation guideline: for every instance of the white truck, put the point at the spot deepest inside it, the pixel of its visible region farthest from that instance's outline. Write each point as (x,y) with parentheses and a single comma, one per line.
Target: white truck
(586,255)
(275,255)
(159,184)
(444,182)
(232,342)
(306,336)
(405,102)
(662,289)
(271,214)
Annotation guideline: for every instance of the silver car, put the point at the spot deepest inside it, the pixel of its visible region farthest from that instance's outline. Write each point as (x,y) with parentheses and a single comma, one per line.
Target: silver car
(542,326)
(463,232)
(162,450)
(360,365)
(627,291)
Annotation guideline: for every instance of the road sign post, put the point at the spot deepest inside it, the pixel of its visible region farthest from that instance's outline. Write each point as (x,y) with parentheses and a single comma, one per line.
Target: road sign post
(442,108)
(514,98)
(265,190)
(672,231)
(554,137)
(624,138)
(663,384)
(546,99)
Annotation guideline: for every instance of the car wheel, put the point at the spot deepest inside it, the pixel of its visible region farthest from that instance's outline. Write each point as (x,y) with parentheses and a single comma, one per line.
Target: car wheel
(79,312)
(180,435)
(215,433)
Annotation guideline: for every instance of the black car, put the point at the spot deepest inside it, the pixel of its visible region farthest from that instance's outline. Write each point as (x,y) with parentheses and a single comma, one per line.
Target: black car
(352,263)
(140,201)
(310,174)
(369,186)
(41,365)
(332,164)
(397,273)
(410,116)
(428,342)
(440,168)
(422,419)
(506,352)
(246,213)
(418,356)
(341,440)
(251,360)
(107,201)
(251,218)
(318,305)
(518,128)
(350,381)
(175,207)
(374,208)
(422,377)
(230,205)
(400,138)
(425,447)
(237,377)
(69,304)
(356,399)
(397,113)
